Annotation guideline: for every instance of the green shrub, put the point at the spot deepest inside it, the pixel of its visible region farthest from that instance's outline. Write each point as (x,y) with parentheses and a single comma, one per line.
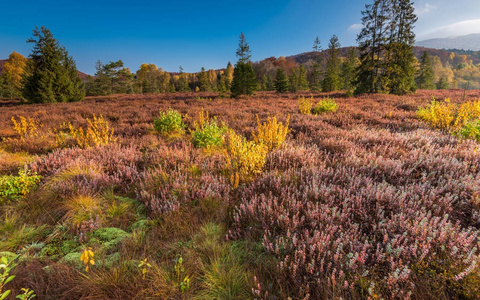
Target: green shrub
(13,187)
(471,130)
(169,122)
(209,135)
(324,106)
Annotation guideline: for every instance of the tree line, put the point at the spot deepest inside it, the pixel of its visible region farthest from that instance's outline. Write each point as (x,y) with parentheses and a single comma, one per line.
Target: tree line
(383,62)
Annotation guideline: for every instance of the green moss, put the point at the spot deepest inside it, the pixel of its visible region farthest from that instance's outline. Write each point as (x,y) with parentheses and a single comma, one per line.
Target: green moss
(73,259)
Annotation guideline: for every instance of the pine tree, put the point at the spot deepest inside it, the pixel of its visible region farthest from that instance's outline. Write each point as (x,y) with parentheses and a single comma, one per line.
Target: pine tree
(244,80)
(182,83)
(399,57)
(386,45)
(349,67)
(243,51)
(51,74)
(372,42)
(317,66)
(281,83)
(442,83)
(113,78)
(203,82)
(331,81)
(426,78)
(302,79)
(293,81)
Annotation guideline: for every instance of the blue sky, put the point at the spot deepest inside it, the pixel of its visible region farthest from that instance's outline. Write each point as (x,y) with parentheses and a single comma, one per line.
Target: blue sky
(205,33)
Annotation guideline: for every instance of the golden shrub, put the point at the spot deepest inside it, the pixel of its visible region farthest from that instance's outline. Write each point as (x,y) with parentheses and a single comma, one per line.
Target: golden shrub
(25,127)
(448,116)
(98,133)
(271,133)
(305,105)
(244,158)
(439,115)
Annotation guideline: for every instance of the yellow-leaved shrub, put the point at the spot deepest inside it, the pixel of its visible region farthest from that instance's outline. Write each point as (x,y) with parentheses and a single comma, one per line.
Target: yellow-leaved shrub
(244,158)
(98,133)
(449,116)
(25,127)
(271,133)
(305,105)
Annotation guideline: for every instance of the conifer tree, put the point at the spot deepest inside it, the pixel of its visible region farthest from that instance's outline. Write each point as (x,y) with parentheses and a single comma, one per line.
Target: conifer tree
(317,65)
(348,72)
(51,74)
(293,81)
(302,79)
(386,45)
(331,81)
(372,41)
(244,80)
(426,78)
(399,57)
(182,83)
(281,83)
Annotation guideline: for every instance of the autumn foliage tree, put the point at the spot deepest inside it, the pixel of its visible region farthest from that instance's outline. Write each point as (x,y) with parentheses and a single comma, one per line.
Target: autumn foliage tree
(11,79)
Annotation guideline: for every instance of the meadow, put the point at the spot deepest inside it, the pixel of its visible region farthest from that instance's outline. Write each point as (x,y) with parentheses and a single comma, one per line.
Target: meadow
(193,196)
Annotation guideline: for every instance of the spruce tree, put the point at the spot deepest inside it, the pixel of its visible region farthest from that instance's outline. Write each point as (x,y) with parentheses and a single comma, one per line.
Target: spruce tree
(331,81)
(244,80)
(281,83)
(317,65)
(51,74)
(426,78)
(293,81)
(399,57)
(302,79)
(182,83)
(349,66)
(372,42)
(386,45)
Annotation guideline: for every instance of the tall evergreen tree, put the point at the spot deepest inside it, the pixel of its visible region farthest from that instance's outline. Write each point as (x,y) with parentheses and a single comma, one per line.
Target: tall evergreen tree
(317,65)
(372,42)
(331,81)
(293,81)
(203,82)
(281,83)
(302,79)
(114,78)
(182,83)
(349,67)
(243,52)
(50,74)
(244,80)
(386,45)
(426,77)
(399,57)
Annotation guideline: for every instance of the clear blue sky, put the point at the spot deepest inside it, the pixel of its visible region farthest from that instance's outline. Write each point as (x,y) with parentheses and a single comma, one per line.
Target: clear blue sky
(196,33)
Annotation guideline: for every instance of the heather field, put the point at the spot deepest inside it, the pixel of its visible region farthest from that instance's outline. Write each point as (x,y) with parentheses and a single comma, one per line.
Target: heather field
(101,199)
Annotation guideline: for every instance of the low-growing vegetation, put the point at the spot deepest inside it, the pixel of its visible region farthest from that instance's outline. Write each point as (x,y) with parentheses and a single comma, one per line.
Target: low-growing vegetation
(368,202)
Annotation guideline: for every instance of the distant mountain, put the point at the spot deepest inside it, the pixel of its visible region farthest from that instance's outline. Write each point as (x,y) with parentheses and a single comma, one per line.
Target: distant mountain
(82,75)
(466,42)
(302,58)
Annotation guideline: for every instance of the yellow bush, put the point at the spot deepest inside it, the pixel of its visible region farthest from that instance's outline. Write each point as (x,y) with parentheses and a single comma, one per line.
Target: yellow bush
(439,115)
(244,158)
(98,133)
(448,116)
(271,133)
(25,127)
(305,105)
(467,112)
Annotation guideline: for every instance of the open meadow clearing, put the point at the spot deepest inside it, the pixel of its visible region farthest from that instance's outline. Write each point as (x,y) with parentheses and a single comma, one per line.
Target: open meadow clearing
(108,199)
